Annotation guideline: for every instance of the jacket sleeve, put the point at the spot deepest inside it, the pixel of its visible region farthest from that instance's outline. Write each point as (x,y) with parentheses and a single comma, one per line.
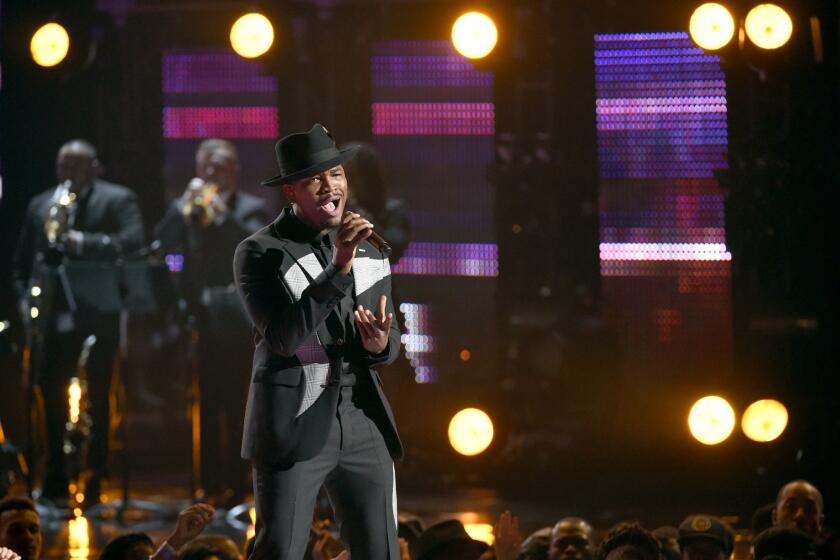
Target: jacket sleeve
(281,321)
(127,238)
(392,350)
(171,230)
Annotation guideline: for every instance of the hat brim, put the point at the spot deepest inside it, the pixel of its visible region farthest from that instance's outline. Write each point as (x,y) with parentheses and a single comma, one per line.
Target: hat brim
(343,155)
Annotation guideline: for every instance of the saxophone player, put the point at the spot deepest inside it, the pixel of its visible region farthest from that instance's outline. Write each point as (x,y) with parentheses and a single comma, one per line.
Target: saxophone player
(82,221)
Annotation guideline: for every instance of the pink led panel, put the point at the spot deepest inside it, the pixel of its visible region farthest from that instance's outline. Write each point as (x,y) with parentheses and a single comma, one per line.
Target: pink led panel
(220,122)
(438,119)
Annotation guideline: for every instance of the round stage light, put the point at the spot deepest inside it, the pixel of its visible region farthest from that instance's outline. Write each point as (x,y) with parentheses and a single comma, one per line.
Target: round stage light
(49,45)
(251,35)
(711,26)
(470,431)
(474,35)
(764,420)
(768,26)
(711,420)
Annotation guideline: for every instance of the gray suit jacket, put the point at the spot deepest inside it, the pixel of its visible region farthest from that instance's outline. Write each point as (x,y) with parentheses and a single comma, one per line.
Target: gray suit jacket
(293,394)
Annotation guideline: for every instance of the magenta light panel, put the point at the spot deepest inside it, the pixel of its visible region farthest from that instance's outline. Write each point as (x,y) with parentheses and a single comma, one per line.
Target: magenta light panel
(435,119)
(449,259)
(661,114)
(220,122)
(418,341)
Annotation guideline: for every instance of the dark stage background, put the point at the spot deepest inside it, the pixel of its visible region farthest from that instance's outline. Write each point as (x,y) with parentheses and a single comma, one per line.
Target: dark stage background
(512,297)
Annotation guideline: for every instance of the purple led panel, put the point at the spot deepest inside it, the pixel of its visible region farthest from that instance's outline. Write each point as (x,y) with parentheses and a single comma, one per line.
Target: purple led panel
(212,71)
(449,259)
(661,114)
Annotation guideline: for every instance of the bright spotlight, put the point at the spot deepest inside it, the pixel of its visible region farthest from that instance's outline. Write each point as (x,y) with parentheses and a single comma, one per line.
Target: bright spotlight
(768,26)
(470,431)
(252,35)
(764,420)
(711,26)
(49,45)
(474,35)
(480,532)
(711,420)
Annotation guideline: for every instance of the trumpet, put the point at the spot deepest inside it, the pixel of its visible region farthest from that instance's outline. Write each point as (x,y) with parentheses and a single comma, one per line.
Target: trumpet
(202,204)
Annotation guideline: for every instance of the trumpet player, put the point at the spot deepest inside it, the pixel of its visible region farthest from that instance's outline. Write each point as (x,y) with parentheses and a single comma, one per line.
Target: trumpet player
(83,221)
(205,224)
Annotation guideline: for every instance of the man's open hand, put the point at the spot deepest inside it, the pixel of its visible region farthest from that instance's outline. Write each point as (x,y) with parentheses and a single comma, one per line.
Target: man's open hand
(374,328)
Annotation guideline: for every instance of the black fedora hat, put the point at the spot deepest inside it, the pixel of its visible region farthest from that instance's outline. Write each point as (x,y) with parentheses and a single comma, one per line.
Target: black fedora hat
(304,154)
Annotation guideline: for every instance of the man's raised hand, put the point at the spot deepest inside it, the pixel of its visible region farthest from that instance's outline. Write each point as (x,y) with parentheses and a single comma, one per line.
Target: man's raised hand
(374,329)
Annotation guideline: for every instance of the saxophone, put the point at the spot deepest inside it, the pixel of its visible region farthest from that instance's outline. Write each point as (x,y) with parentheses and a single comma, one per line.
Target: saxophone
(61,215)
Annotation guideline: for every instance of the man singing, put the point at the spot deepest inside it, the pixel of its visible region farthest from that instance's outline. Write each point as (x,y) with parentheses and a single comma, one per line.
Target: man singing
(319,295)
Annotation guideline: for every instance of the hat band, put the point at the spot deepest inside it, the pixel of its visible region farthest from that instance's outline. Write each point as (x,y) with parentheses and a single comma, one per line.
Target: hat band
(314,159)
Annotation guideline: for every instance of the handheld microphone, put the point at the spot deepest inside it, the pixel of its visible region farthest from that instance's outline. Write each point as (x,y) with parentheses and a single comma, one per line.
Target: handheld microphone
(378,241)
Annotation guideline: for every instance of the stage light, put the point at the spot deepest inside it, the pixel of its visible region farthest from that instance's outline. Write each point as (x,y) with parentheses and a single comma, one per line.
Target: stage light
(764,420)
(33,312)
(251,35)
(711,26)
(711,420)
(78,538)
(768,26)
(474,35)
(470,431)
(465,355)
(480,532)
(49,45)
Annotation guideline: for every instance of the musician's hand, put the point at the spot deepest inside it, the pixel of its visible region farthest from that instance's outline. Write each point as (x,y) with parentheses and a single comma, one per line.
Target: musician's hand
(73,241)
(353,230)
(374,328)
(191,522)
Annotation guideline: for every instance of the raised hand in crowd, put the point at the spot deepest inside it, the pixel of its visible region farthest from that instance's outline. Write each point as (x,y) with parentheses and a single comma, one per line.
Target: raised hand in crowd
(191,522)
(508,539)
(6,554)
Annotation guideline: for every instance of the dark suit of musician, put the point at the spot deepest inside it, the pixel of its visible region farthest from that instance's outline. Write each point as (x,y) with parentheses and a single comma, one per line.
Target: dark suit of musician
(207,234)
(104,226)
(316,411)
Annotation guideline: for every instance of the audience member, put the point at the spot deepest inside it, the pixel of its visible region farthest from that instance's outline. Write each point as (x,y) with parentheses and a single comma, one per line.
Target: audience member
(222,546)
(409,528)
(131,546)
(705,537)
(799,504)
(788,543)
(191,522)
(536,545)
(629,541)
(669,547)
(20,527)
(762,518)
(447,540)
(571,539)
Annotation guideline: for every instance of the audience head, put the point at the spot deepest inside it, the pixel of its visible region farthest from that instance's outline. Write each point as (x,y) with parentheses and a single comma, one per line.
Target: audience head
(571,539)
(20,527)
(762,518)
(220,546)
(536,546)
(409,528)
(629,541)
(788,543)
(705,537)
(447,540)
(131,546)
(799,504)
(669,547)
